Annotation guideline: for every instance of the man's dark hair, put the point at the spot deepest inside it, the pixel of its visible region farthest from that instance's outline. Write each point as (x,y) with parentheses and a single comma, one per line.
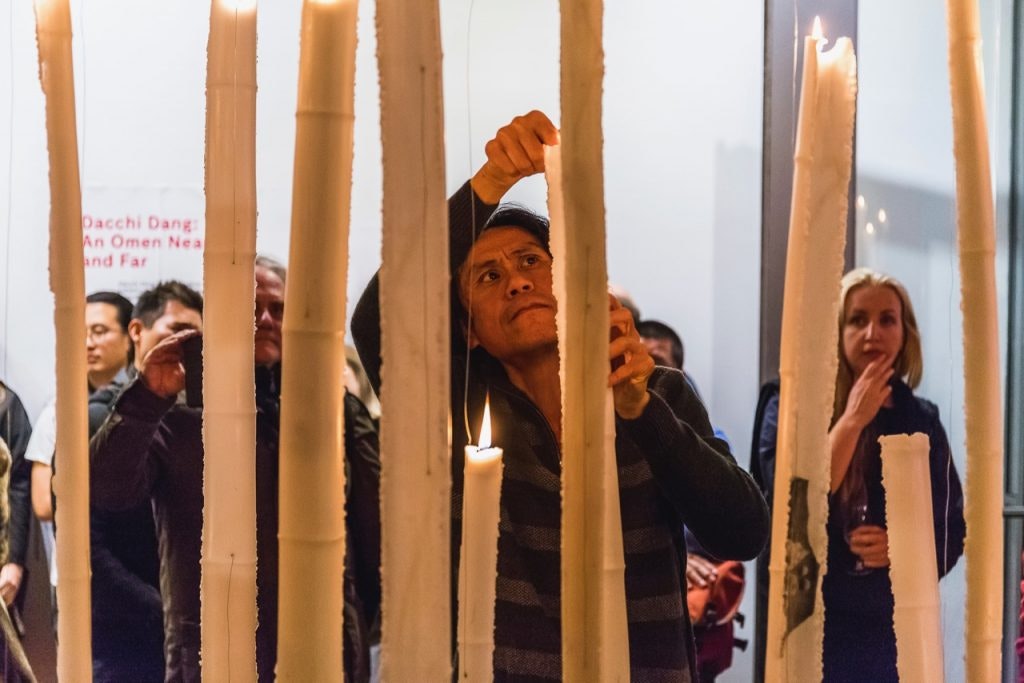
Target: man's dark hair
(123,306)
(516,216)
(153,302)
(655,329)
(506,216)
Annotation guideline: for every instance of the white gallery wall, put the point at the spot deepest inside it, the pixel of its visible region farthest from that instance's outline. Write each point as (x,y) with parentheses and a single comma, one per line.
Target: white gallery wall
(682,141)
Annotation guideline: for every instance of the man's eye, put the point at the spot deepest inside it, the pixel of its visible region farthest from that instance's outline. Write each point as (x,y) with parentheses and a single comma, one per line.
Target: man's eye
(531,260)
(488,276)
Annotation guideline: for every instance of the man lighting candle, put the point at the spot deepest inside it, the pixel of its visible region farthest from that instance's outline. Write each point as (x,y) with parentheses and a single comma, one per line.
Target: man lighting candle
(672,470)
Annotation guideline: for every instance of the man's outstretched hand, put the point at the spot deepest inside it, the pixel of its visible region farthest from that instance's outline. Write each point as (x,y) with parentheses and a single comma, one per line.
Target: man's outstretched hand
(517,151)
(162,369)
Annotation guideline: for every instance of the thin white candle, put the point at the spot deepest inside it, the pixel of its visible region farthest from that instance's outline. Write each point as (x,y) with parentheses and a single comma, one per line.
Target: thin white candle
(982,381)
(917,618)
(478,559)
(312,467)
(228,587)
(416,384)
(807,359)
(67,280)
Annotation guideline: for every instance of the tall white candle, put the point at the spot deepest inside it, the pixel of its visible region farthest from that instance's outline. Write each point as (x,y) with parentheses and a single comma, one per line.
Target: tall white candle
(595,637)
(917,618)
(415,398)
(67,280)
(228,589)
(478,559)
(312,527)
(807,359)
(982,382)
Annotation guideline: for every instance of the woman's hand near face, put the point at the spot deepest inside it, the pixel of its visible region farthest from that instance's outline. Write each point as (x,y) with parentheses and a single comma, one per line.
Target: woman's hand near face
(868,394)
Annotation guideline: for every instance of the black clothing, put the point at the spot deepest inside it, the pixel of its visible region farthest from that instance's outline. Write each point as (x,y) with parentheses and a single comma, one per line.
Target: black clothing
(15,430)
(671,469)
(127,610)
(152,447)
(859,608)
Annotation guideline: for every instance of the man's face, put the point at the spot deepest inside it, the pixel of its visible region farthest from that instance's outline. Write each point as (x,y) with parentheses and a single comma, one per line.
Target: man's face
(106,342)
(505,283)
(661,351)
(269,314)
(175,318)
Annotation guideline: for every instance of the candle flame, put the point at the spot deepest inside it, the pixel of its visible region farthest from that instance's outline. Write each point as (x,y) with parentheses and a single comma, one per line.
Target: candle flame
(239,5)
(485,425)
(818,33)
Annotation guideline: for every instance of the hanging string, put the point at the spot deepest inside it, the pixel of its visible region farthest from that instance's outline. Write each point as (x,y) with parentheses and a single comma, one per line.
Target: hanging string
(10,188)
(794,99)
(472,220)
(85,100)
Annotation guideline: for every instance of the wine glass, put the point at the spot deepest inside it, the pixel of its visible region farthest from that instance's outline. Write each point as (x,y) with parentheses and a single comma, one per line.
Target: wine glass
(857,516)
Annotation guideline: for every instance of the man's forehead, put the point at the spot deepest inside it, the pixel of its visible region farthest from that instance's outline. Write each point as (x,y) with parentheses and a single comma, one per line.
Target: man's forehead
(494,242)
(100,310)
(178,309)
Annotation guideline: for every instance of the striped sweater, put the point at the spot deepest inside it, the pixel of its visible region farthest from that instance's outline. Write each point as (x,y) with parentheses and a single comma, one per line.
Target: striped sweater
(672,472)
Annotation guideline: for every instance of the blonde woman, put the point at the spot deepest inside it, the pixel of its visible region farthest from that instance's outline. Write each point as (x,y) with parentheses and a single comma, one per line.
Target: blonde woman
(880,363)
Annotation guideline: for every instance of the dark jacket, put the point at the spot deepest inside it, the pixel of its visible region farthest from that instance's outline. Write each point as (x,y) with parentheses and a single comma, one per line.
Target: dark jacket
(671,471)
(15,430)
(127,610)
(859,608)
(152,448)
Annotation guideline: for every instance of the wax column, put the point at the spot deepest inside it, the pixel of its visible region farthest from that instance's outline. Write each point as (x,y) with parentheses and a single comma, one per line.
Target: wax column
(807,359)
(67,280)
(982,392)
(595,639)
(228,590)
(415,491)
(478,560)
(312,528)
(915,583)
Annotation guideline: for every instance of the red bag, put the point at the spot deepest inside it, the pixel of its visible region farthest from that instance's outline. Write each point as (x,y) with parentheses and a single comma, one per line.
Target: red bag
(712,611)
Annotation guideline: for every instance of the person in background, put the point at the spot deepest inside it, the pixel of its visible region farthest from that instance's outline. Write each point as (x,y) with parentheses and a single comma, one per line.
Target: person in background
(127,610)
(107,349)
(880,363)
(151,449)
(16,431)
(14,665)
(713,598)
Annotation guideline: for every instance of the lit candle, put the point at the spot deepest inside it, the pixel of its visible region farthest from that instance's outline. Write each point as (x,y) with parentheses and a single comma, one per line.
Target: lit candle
(478,559)
(228,588)
(917,618)
(595,637)
(982,381)
(414,321)
(312,467)
(807,361)
(67,280)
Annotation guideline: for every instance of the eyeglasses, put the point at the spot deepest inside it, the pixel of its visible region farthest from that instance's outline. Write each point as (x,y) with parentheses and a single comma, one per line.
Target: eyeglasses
(98,332)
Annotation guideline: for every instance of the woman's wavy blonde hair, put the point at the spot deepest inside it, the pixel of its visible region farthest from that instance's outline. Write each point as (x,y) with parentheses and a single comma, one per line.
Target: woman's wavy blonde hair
(909,364)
